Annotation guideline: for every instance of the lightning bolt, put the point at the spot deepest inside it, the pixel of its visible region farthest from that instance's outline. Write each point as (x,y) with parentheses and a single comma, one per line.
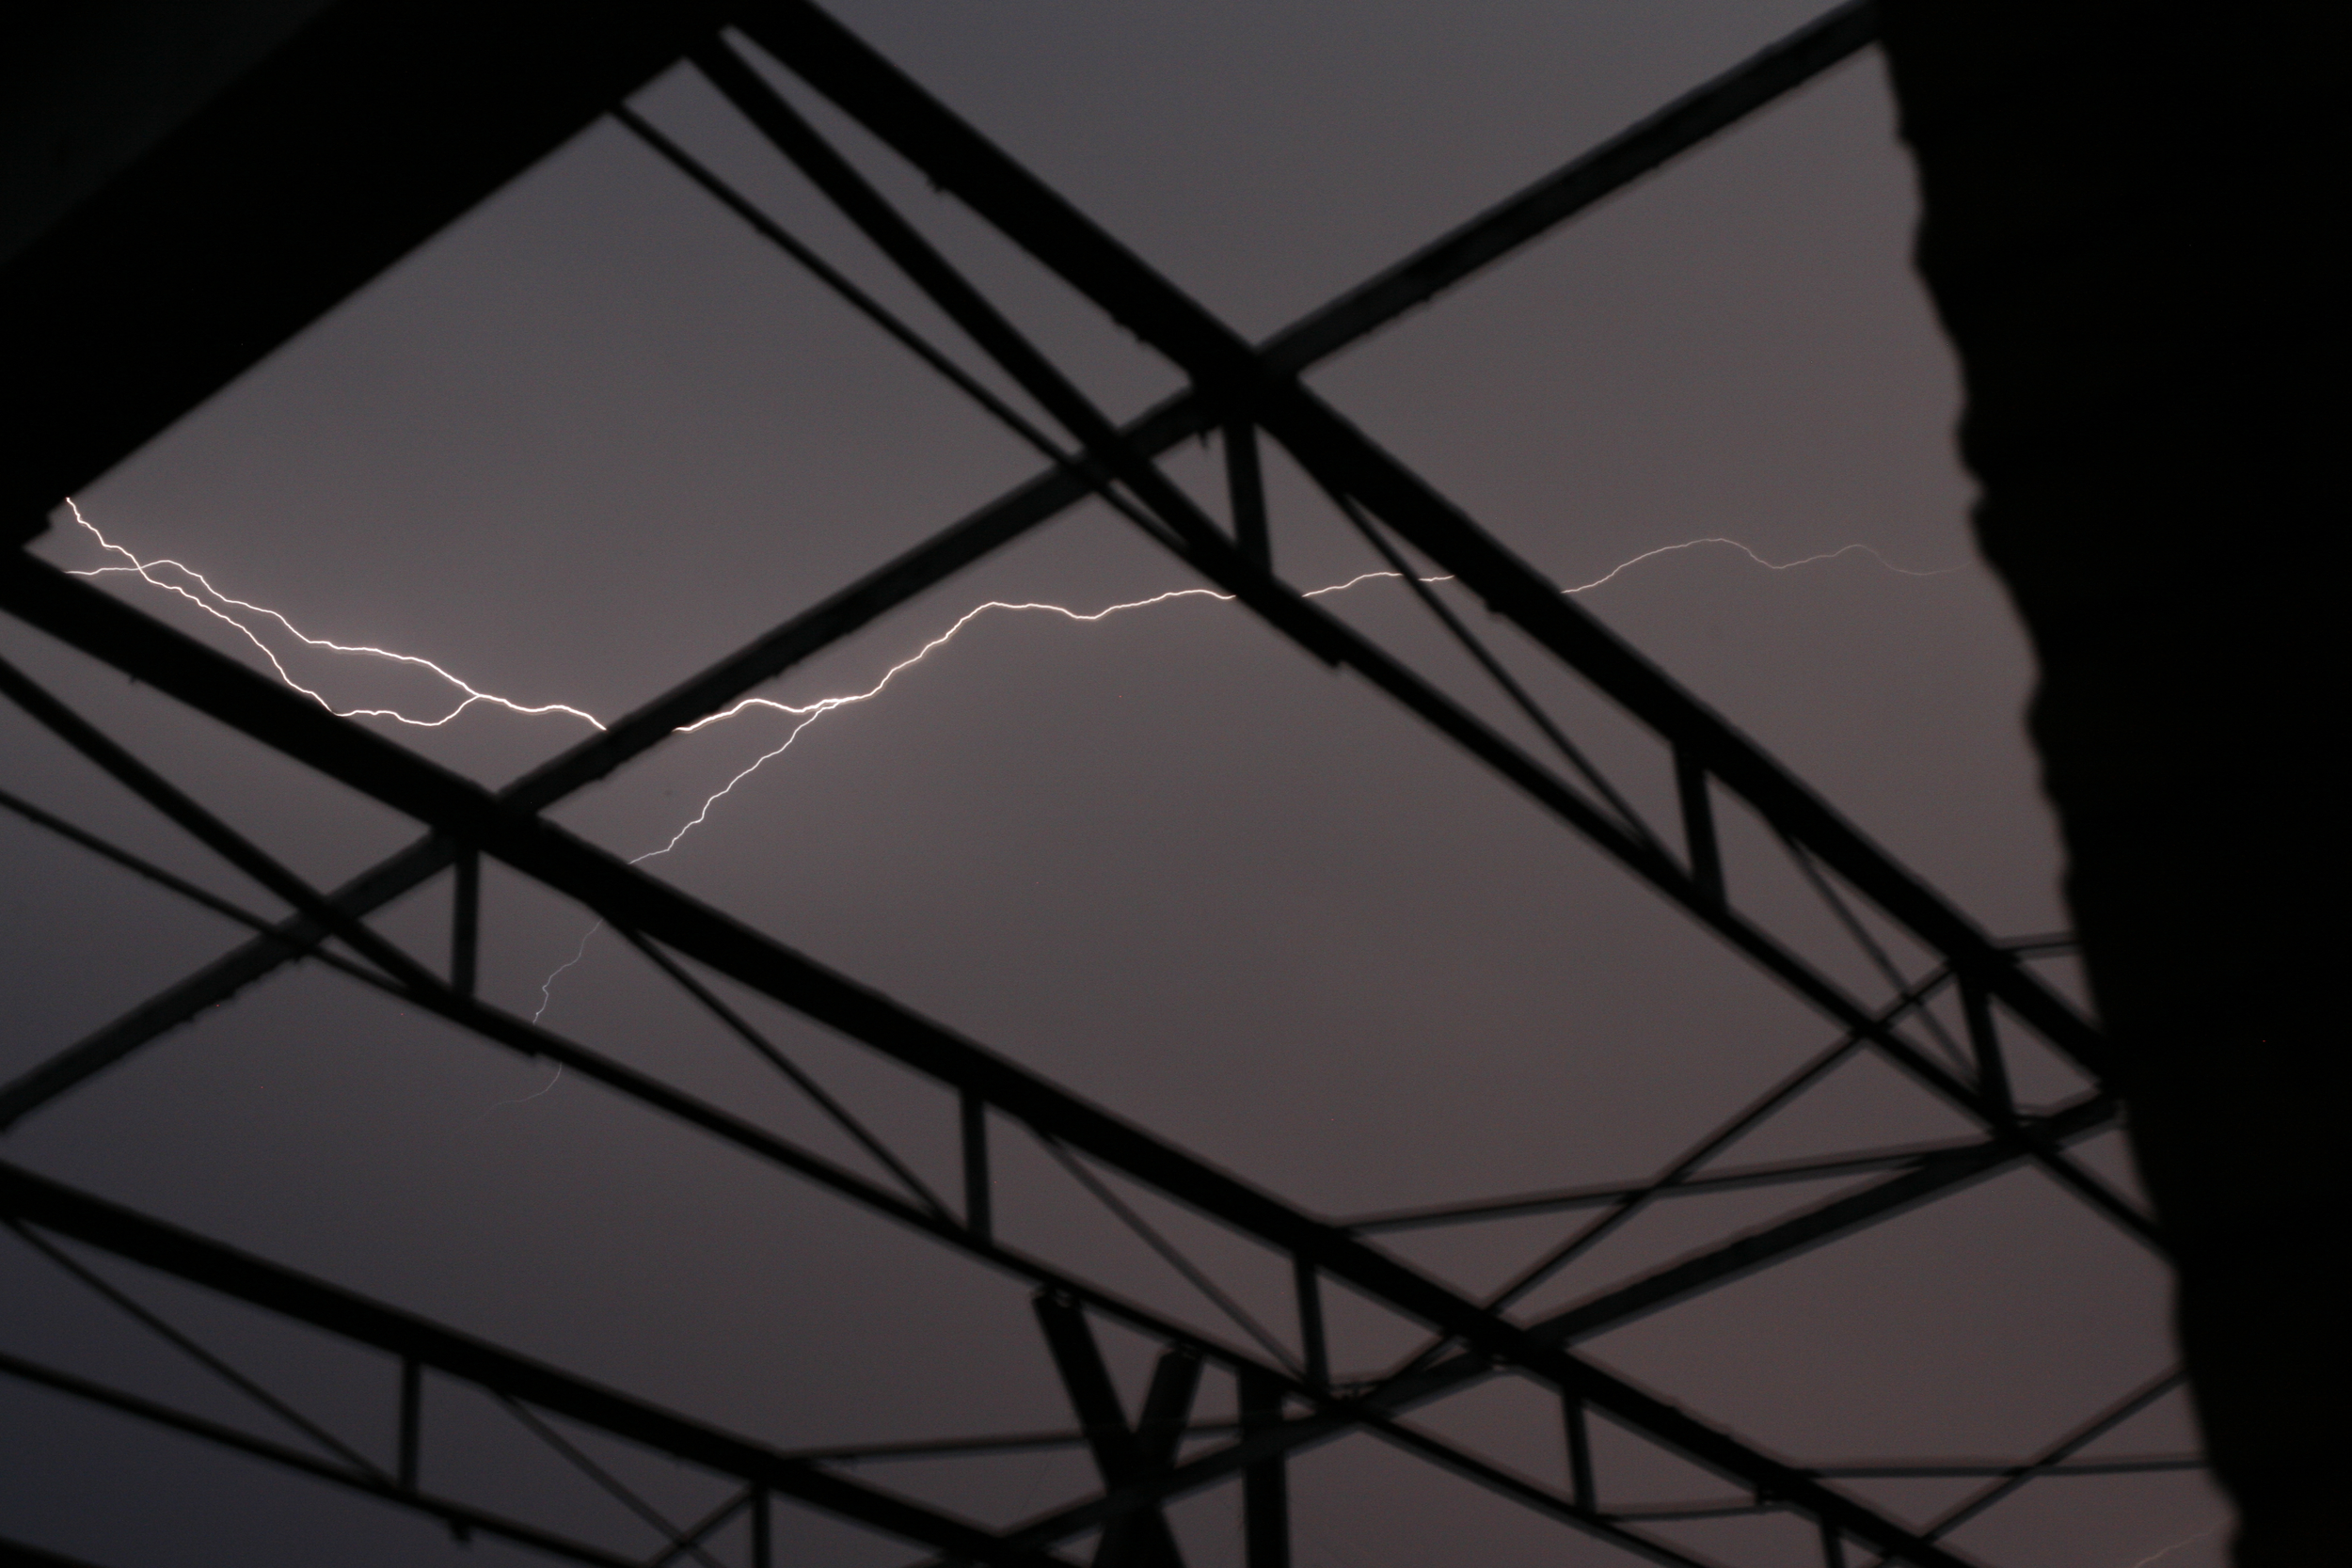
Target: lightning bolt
(809,714)
(223,607)
(211,601)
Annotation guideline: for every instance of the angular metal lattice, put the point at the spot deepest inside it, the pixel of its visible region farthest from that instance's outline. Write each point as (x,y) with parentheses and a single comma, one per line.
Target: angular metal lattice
(1948,1024)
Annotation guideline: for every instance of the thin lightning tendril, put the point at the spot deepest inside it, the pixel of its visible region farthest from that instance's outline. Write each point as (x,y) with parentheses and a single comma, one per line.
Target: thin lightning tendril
(803,715)
(1767,565)
(547,986)
(2185,1541)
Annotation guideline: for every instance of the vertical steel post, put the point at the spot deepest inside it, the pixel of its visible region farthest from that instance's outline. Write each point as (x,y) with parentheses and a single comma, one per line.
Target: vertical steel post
(1310,1322)
(465,922)
(411,1422)
(1265,1506)
(977,1217)
(1984,1040)
(1246,481)
(1698,825)
(1580,1454)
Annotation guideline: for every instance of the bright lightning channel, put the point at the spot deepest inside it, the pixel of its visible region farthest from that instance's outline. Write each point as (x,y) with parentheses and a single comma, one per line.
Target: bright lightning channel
(808,714)
(220,605)
(212,598)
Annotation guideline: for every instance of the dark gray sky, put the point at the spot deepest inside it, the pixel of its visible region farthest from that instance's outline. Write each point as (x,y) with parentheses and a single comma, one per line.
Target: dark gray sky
(596,436)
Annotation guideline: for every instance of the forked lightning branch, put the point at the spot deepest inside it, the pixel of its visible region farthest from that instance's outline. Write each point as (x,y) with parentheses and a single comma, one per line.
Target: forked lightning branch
(249,620)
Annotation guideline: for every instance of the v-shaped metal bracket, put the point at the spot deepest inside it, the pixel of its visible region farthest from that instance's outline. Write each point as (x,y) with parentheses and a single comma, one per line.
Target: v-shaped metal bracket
(1124,1455)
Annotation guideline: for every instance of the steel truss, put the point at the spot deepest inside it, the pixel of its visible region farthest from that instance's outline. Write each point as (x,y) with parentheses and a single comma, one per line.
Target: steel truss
(1289,1396)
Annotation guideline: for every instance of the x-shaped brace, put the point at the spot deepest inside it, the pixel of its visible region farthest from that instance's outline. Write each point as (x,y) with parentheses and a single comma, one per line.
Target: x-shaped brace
(1122,1454)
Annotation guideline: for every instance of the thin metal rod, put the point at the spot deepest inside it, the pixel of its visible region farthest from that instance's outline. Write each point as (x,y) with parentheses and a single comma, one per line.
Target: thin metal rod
(1934,1177)
(1954,1469)
(1869,945)
(1633,1203)
(1543,1499)
(129,861)
(1993,1087)
(155,1323)
(1739,1126)
(678,1538)
(703,1528)
(207,829)
(1170,1252)
(2067,1447)
(1673,1512)
(877,312)
(824,1099)
(1775,1174)
(1629,819)
(1001,1443)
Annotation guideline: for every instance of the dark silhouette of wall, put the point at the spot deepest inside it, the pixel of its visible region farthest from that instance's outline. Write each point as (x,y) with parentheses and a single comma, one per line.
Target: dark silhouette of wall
(2126,212)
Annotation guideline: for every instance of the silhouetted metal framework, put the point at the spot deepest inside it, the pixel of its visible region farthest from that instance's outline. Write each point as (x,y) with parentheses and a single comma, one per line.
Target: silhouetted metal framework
(1289,1398)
